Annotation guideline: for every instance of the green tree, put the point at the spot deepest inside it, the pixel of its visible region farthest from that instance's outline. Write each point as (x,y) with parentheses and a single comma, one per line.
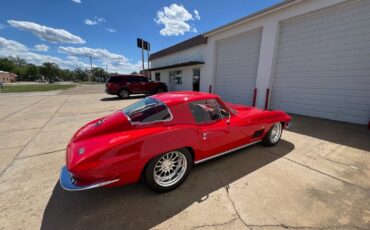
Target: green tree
(49,70)
(80,74)
(31,72)
(19,62)
(6,64)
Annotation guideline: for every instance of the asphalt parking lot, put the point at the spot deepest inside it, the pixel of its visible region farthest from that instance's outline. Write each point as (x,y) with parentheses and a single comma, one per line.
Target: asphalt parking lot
(317,177)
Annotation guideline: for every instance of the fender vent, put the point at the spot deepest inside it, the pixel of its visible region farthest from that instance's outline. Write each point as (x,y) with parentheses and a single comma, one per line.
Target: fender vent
(258,133)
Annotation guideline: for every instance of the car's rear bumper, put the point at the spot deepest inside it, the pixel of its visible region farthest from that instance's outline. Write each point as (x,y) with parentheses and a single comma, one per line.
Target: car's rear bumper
(68,183)
(111,92)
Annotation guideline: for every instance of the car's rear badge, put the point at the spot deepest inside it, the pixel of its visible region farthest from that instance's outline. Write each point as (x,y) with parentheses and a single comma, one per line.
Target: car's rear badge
(99,123)
(81,151)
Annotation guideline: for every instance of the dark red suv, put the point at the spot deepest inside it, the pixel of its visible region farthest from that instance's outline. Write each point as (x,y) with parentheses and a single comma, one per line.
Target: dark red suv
(124,85)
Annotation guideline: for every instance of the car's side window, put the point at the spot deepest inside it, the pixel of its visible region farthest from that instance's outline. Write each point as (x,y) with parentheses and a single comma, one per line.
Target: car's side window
(133,79)
(143,79)
(205,111)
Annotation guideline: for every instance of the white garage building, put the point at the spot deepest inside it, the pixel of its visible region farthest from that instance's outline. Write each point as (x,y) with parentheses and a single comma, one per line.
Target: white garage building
(306,57)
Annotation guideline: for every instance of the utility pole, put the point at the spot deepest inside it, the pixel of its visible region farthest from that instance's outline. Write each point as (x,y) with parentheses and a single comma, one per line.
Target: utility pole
(90,69)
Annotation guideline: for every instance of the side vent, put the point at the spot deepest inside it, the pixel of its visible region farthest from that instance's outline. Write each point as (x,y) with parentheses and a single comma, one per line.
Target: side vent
(258,133)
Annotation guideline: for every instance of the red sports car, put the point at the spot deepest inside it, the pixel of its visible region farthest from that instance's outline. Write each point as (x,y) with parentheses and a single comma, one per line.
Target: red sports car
(161,137)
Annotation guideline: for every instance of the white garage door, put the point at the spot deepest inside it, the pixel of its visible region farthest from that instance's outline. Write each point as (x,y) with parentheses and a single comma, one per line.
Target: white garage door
(323,64)
(236,67)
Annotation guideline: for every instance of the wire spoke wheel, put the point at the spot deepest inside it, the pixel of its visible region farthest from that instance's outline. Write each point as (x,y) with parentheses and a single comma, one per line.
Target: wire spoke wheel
(170,168)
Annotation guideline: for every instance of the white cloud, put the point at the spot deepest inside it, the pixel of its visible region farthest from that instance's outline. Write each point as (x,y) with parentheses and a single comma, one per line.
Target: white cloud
(42,47)
(96,20)
(175,18)
(114,62)
(47,33)
(76,1)
(16,49)
(90,22)
(110,30)
(95,53)
(196,14)
(11,46)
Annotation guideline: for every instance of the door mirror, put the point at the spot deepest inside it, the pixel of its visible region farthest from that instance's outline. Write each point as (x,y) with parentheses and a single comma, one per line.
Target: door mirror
(226,114)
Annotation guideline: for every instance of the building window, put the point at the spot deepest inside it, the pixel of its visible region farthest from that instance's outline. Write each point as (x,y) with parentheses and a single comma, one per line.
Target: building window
(158,76)
(176,77)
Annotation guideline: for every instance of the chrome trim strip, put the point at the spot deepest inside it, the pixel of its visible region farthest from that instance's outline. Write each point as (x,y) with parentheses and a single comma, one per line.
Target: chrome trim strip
(226,152)
(66,182)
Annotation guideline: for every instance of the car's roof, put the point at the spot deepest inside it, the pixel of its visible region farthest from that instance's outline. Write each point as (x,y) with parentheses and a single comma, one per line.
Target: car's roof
(128,75)
(178,97)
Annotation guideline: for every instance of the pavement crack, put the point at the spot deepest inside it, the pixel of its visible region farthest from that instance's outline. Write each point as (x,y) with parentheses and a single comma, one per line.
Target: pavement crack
(25,146)
(40,154)
(318,171)
(227,187)
(305,227)
(24,108)
(214,225)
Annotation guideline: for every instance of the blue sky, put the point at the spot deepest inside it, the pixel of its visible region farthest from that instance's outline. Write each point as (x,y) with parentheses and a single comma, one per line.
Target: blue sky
(67,31)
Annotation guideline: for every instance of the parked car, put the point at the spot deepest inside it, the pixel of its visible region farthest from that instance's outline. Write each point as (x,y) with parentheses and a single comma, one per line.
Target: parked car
(161,137)
(125,85)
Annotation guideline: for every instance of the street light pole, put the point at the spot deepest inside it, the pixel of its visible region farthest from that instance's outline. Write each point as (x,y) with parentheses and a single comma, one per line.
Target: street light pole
(142,54)
(90,69)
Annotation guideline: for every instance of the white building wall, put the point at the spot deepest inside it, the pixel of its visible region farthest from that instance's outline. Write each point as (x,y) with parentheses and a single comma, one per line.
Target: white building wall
(187,77)
(270,25)
(195,53)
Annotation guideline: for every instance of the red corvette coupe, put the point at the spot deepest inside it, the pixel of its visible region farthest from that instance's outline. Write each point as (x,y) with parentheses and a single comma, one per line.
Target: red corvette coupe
(160,137)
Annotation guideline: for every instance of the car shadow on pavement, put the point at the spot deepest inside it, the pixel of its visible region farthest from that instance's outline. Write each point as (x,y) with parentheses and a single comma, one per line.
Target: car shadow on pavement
(118,99)
(351,135)
(136,207)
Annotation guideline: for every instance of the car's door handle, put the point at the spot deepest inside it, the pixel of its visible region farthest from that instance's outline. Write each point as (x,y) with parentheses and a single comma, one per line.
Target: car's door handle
(204,136)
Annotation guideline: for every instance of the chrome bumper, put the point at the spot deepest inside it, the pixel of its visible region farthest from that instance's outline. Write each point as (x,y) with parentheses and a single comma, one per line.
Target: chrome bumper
(67,182)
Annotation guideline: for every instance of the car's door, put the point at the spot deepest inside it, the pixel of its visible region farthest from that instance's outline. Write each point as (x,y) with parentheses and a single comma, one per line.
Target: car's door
(147,85)
(134,84)
(215,129)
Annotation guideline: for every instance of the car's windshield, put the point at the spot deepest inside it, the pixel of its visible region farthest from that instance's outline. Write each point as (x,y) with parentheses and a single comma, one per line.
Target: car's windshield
(147,110)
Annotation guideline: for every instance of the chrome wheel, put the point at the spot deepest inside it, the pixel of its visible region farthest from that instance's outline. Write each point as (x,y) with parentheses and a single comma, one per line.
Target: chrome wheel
(170,168)
(123,93)
(275,133)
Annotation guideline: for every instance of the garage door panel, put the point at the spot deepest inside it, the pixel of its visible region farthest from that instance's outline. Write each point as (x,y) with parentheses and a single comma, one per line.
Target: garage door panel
(343,100)
(323,64)
(236,67)
(333,17)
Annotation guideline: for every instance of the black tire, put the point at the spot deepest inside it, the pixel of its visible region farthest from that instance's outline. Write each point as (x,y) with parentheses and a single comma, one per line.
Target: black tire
(149,171)
(270,139)
(123,94)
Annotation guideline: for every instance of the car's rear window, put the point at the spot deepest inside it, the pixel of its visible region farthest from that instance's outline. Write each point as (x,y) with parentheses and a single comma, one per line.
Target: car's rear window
(147,110)
(114,79)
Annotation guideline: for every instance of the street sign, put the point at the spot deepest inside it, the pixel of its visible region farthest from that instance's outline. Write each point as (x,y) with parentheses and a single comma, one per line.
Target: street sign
(139,42)
(146,45)
(143,44)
